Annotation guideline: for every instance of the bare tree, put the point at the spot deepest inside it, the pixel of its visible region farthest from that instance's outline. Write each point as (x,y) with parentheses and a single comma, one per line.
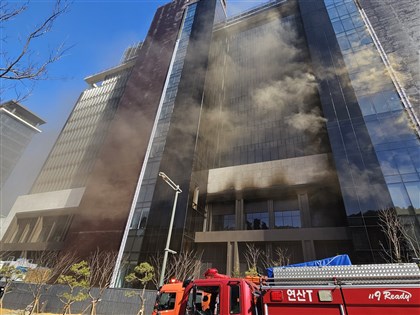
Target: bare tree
(181,266)
(391,227)
(257,257)
(400,236)
(101,266)
(24,65)
(50,266)
(281,257)
(412,238)
(252,256)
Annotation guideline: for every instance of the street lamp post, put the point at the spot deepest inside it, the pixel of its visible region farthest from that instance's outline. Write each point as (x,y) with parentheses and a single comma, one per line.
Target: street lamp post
(168,240)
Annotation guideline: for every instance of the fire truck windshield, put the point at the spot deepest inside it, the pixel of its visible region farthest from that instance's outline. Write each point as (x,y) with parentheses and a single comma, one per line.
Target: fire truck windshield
(206,300)
(166,301)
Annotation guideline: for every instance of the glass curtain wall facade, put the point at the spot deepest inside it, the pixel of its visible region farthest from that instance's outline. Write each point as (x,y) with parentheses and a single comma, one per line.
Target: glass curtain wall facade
(173,140)
(391,125)
(147,183)
(262,118)
(396,26)
(373,141)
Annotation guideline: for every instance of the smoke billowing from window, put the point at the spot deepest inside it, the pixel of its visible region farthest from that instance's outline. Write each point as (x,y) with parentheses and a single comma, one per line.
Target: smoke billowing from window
(260,75)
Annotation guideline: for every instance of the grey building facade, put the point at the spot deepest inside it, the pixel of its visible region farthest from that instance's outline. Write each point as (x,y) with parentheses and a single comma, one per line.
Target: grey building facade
(40,220)
(17,127)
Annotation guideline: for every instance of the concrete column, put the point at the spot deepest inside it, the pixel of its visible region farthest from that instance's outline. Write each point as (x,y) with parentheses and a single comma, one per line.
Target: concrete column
(236,264)
(34,235)
(304,208)
(206,226)
(308,250)
(270,205)
(229,256)
(239,211)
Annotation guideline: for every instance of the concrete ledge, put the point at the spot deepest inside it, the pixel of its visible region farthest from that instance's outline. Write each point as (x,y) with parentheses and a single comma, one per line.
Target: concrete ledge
(315,234)
(68,198)
(287,172)
(32,205)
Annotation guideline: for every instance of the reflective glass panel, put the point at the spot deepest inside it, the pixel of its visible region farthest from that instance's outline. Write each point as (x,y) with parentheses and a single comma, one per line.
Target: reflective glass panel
(399,195)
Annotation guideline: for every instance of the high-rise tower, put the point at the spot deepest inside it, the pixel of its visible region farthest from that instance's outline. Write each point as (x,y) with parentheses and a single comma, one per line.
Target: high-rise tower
(286,126)
(40,220)
(291,149)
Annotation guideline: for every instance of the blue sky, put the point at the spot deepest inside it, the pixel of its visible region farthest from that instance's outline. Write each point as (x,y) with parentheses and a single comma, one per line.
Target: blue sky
(97,33)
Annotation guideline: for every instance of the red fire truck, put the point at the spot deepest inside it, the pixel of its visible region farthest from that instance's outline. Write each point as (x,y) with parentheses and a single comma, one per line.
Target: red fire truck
(382,289)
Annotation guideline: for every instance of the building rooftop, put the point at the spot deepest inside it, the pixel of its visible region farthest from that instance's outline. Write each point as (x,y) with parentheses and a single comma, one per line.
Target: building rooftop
(128,60)
(22,112)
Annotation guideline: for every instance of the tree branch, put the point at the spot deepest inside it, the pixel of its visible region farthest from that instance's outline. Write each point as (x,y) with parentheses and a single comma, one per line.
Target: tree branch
(19,66)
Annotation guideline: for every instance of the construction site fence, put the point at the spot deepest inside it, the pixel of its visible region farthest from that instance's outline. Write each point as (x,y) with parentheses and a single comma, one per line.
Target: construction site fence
(114,301)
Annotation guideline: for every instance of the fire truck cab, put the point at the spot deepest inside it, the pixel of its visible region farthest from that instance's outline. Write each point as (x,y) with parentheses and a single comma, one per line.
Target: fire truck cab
(386,289)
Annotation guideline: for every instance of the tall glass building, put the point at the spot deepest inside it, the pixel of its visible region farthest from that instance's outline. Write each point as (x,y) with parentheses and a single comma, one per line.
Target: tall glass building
(17,127)
(286,126)
(300,134)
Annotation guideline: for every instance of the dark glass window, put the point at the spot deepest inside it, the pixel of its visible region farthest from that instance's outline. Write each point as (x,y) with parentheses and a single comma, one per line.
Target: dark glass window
(347,24)
(413,190)
(388,166)
(257,221)
(375,131)
(332,12)
(415,157)
(139,219)
(357,21)
(223,216)
(366,39)
(329,2)
(350,200)
(351,7)
(410,177)
(338,27)
(342,10)
(256,215)
(287,219)
(343,42)
(224,222)
(403,161)
(206,300)
(234,305)
(379,101)
(399,195)
(393,179)
(354,40)
(366,106)
(166,301)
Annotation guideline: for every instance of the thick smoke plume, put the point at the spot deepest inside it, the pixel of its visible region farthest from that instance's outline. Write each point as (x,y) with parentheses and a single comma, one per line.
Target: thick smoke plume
(266,68)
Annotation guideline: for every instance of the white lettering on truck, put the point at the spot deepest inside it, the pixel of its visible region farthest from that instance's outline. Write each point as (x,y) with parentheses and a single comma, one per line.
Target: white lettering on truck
(299,295)
(390,295)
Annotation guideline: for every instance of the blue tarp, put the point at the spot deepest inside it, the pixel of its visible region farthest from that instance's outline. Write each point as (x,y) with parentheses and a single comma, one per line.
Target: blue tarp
(339,260)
